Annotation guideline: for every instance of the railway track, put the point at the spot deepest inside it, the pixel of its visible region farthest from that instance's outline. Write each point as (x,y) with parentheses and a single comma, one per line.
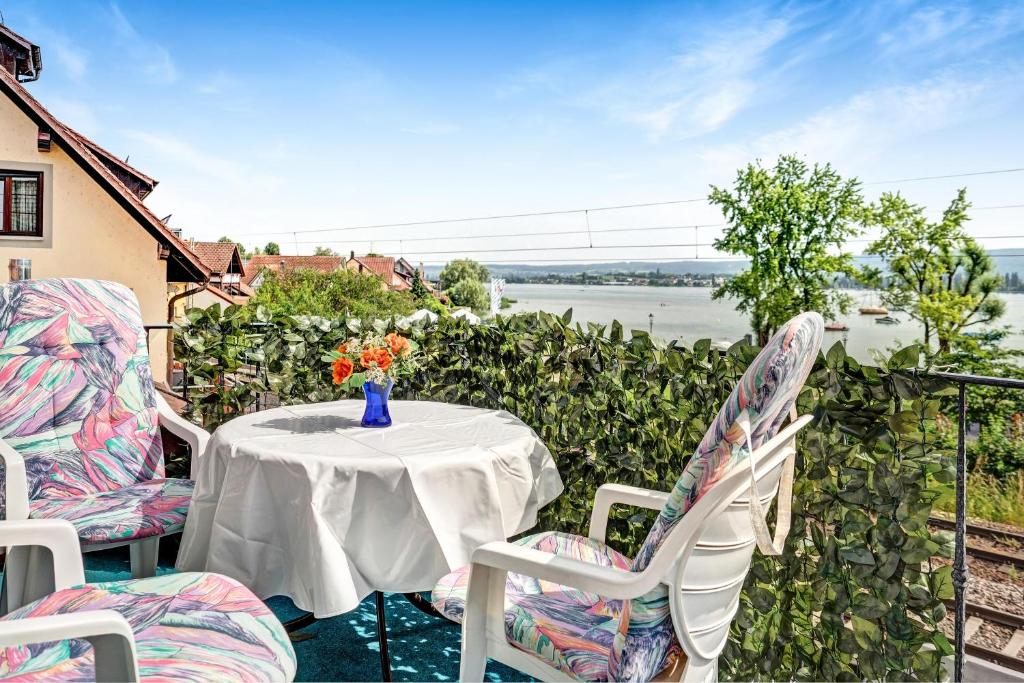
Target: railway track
(1009,538)
(978,614)
(1007,656)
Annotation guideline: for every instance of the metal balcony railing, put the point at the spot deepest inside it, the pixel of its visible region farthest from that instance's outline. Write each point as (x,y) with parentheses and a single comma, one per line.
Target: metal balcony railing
(960,571)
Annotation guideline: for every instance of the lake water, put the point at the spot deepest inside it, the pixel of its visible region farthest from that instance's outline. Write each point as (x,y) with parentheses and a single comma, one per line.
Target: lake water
(689,314)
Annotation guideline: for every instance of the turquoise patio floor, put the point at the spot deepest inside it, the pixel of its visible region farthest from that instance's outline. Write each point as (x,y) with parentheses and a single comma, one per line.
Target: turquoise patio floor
(344,648)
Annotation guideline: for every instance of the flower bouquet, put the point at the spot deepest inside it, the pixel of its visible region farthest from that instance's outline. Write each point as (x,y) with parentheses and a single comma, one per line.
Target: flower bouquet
(373,361)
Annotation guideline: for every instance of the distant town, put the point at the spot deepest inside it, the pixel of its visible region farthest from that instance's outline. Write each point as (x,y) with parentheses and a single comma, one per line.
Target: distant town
(1011,282)
(653,278)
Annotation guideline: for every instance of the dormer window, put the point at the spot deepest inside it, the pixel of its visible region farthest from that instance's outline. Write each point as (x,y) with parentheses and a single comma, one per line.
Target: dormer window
(22,204)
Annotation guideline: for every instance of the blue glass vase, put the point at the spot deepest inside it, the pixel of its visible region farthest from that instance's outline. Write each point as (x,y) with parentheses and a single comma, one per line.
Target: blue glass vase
(376,414)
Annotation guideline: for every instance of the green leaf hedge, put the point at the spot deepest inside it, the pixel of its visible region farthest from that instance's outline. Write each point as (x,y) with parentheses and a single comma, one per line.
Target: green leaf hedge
(858,594)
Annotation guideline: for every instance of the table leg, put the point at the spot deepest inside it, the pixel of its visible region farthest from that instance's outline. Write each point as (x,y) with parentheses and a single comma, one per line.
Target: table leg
(382,638)
(294,625)
(422,604)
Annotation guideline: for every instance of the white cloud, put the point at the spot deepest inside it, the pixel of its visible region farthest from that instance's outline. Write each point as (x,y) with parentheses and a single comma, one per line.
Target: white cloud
(936,31)
(699,88)
(153,61)
(75,113)
(431,129)
(925,26)
(192,159)
(216,84)
(71,59)
(869,124)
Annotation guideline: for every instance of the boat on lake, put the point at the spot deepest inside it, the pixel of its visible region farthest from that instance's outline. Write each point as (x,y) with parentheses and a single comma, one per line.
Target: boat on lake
(873,310)
(887,320)
(836,327)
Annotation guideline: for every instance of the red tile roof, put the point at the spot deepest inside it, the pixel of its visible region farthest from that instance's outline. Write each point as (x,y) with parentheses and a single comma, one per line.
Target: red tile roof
(384,266)
(260,262)
(218,256)
(184,265)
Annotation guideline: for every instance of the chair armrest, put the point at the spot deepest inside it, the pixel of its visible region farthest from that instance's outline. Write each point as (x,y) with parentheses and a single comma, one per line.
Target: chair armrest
(106,630)
(483,620)
(196,437)
(612,494)
(15,483)
(58,536)
(610,582)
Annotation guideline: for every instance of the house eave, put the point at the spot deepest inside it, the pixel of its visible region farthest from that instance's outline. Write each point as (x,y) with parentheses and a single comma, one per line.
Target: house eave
(182,266)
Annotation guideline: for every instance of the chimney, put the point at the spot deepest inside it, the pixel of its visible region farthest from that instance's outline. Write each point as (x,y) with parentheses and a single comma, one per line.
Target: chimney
(19,57)
(351,255)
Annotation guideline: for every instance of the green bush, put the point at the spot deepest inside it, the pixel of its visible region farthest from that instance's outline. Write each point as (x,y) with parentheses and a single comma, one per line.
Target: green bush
(339,293)
(855,596)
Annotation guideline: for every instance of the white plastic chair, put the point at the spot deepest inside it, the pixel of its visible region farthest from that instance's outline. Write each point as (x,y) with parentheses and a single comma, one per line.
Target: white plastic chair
(703,561)
(80,424)
(179,626)
(562,607)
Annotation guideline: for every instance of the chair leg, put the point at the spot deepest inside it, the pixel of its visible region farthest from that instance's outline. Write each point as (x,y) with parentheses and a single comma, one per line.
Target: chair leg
(144,555)
(700,670)
(473,663)
(28,576)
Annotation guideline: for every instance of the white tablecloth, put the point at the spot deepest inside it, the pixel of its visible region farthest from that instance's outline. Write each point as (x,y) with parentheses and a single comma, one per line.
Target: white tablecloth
(302,501)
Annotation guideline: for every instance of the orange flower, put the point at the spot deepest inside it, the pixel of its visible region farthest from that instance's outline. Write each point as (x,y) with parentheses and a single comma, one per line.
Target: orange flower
(384,359)
(342,370)
(343,348)
(381,357)
(399,344)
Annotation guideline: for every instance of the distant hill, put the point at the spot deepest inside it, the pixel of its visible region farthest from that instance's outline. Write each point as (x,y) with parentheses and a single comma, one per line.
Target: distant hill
(679,267)
(1007,261)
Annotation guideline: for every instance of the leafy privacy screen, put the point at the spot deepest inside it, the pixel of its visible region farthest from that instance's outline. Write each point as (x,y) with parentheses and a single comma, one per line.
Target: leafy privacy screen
(859,592)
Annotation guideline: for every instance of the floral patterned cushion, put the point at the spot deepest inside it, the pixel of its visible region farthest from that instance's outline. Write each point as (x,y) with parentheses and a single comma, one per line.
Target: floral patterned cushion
(578,633)
(151,508)
(76,389)
(188,627)
(766,391)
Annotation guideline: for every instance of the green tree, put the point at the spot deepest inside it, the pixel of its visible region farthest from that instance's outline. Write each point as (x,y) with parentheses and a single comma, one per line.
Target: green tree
(471,293)
(342,292)
(462,269)
(419,290)
(272,249)
(224,239)
(324,251)
(789,221)
(933,270)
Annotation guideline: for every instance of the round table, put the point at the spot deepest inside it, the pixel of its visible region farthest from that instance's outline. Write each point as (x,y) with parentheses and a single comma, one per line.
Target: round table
(302,501)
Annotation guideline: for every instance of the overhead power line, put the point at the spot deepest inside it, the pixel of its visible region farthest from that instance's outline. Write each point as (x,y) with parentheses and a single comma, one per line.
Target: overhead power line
(469,219)
(664,259)
(614,207)
(944,177)
(517,234)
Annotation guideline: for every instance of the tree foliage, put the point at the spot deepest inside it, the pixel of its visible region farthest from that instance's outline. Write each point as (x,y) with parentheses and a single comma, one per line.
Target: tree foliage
(324,251)
(462,269)
(342,292)
(272,249)
(469,293)
(789,221)
(933,270)
(241,247)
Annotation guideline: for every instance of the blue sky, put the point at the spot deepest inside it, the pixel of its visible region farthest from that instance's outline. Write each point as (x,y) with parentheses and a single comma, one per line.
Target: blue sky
(263,118)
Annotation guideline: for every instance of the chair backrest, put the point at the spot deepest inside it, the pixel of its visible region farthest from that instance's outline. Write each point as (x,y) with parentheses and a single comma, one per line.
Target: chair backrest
(715,558)
(76,389)
(766,392)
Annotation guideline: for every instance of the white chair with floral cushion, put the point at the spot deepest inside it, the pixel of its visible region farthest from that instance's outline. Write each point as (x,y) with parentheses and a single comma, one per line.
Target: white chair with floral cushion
(80,423)
(563,607)
(187,627)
